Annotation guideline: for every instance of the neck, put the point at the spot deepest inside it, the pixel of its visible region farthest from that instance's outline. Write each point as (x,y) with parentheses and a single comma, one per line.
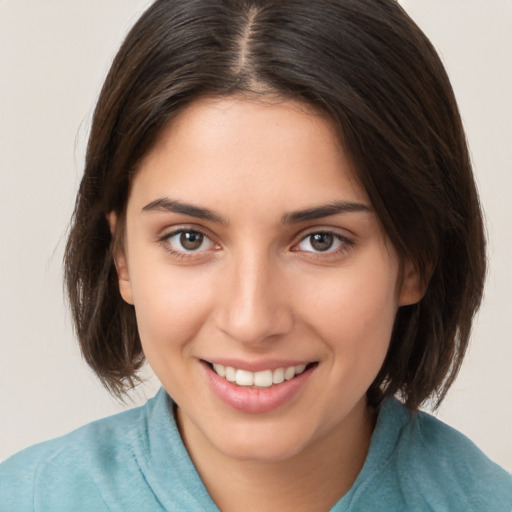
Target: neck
(314,479)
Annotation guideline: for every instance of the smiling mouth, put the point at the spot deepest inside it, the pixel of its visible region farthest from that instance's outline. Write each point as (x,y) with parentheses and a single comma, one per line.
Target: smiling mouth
(262,379)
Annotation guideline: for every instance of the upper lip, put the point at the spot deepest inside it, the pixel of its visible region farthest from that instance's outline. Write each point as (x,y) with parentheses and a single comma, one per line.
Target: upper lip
(258,366)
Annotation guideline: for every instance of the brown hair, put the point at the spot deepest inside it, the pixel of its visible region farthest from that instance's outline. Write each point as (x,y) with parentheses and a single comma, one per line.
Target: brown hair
(365,64)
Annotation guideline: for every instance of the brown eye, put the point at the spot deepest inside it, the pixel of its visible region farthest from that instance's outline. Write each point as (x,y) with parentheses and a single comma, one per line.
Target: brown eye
(321,241)
(191,240)
(187,241)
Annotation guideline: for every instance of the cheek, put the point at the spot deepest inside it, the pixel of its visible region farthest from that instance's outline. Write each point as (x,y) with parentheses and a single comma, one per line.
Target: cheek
(355,311)
(170,306)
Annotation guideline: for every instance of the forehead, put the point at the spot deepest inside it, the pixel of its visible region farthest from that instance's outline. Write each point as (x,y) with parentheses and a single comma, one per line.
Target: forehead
(276,152)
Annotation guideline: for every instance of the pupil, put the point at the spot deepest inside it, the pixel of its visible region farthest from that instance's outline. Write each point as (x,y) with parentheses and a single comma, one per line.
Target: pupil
(191,240)
(322,241)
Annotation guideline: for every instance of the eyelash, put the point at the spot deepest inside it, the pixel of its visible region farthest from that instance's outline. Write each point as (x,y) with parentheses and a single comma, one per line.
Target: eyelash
(165,240)
(344,243)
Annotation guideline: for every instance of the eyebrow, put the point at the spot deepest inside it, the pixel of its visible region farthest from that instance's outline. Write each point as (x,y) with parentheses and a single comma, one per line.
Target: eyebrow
(167,205)
(318,212)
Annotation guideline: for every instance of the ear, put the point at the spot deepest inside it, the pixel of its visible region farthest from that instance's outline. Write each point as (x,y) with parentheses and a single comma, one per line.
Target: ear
(121,262)
(413,288)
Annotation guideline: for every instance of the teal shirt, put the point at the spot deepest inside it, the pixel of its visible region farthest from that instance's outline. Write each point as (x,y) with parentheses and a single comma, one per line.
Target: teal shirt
(136,461)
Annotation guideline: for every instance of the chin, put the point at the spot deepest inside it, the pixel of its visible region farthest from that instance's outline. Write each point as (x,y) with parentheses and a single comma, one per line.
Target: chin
(263,450)
(262,443)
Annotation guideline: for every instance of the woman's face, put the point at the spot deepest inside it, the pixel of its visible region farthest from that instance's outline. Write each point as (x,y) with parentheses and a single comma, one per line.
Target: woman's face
(253,255)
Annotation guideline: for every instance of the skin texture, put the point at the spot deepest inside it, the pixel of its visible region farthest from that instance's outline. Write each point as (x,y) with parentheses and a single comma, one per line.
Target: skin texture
(257,291)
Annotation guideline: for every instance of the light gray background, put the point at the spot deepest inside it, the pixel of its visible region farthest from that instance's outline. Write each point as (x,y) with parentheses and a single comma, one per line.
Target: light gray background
(54,55)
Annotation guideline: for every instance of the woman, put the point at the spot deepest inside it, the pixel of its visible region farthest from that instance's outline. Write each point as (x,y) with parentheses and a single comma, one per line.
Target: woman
(278,213)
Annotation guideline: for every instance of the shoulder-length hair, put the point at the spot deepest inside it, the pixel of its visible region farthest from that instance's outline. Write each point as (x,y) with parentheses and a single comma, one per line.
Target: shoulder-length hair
(363,63)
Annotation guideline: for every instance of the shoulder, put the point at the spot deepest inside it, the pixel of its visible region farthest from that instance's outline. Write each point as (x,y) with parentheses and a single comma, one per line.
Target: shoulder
(58,474)
(443,464)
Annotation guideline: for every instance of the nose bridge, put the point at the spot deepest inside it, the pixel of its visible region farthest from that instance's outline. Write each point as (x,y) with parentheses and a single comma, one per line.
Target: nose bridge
(254,306)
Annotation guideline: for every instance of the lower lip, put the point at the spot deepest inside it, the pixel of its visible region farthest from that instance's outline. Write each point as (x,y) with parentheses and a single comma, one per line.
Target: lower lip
(256,401)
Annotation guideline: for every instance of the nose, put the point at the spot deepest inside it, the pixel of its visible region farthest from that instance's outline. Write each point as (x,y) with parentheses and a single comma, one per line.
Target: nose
(254,305)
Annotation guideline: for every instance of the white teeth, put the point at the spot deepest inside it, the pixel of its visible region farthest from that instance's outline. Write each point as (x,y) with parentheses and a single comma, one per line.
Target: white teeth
(278,376)
(262,379)
(244,378)
(221,370)
(299,369)
(230,374)
(289,373)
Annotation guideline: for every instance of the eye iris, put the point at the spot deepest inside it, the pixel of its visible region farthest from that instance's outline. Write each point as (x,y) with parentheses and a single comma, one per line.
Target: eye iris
(191,240)
(322,241)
